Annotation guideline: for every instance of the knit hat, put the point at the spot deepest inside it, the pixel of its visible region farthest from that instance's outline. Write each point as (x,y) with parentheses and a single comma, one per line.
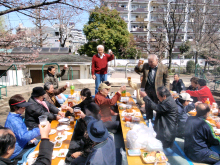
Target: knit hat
(37,91)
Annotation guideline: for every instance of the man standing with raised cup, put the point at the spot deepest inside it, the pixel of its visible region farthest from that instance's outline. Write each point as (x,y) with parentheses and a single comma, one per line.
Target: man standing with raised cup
(155,75)
(100,66)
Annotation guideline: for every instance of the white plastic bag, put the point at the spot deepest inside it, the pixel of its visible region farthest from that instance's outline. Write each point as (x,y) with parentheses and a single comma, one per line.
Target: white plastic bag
(131,137)
(124,160)
(153,145)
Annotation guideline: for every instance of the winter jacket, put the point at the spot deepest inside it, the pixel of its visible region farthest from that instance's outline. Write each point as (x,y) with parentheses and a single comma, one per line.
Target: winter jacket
(161,77)
(90,108)
(44,157)
(18,127)
(193,89)
(178,86)
(53,79)
(35,110)
(199,137)
(103,153)
(50,97)
(105,105)
(182,116)
(202,94)
(165,124)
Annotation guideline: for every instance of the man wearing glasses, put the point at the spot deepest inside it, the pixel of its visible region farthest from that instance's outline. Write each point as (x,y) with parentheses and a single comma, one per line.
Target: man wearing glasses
(108,116)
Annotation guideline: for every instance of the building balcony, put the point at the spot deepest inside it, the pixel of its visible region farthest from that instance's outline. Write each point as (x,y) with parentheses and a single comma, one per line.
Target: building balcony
(118,1)
(157,10)
(159,1)
(140,39)
(139,10)
(121,9)
(157,20)
(138,30)
(176,50)
(139,20)
(140,1)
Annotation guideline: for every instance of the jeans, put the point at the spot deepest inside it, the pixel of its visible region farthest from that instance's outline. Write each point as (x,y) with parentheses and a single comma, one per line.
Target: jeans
(99,78)
(61,101)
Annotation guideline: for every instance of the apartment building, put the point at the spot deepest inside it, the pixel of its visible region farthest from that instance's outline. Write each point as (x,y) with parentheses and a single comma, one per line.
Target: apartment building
(145,19)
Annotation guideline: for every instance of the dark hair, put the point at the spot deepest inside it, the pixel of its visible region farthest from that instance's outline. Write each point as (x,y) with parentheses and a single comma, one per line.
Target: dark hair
(163,91)
(202,82)
(194,79)
(181,101)
(49,69)
(177,74)
(107,83)
(7,140)
(86,93)
(202,109)
(47,86)
(14,99)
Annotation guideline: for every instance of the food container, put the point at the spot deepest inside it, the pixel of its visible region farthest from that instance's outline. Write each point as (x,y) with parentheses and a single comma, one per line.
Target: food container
(124,100)
(155,156)
(127,123)
(122,106)
(136,120)
(128,118)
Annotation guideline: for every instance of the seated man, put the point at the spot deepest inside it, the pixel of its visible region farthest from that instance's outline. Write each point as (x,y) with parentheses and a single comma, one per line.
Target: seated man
(40,107)
(102,147)
(178,84)
(7,146)
(199,137)
(166,118)
(183,108)
(52,77)
(193,87)
(15,122)
(108,116)
(51,93)
(140,101)
(202,93)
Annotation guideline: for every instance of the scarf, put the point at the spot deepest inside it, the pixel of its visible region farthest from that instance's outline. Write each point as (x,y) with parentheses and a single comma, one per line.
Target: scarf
(43,103)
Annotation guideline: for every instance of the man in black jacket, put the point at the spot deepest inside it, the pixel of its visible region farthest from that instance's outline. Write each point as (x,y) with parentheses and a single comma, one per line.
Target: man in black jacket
(7,146)
(199,137)
(178,84)
(165,124)
(40,107)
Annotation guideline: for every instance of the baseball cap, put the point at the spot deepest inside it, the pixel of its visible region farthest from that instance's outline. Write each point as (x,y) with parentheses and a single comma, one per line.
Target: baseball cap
(185,96)
(103,86)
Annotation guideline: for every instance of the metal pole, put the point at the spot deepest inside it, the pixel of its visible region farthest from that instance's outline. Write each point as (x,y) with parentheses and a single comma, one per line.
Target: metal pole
(126,70)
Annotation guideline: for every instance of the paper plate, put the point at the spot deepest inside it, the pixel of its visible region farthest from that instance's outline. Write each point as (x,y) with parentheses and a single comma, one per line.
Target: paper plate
(63,120)
(54,154)
(52,131)
(33,155)
(62,153)
(60,138)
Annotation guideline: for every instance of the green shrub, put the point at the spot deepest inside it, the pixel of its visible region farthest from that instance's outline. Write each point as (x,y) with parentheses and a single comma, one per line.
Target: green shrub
(218,69)
(190,67)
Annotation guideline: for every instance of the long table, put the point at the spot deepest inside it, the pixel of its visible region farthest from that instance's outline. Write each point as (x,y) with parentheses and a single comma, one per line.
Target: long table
(65,143)
(132,160)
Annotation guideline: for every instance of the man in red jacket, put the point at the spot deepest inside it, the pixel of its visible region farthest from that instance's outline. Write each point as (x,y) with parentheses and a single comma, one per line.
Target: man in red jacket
(202,93)
(108,116)
(100,66)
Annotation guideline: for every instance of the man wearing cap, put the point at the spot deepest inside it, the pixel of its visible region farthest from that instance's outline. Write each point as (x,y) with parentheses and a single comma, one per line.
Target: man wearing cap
(108,116)
(183,108)
(15,122)
(100,66)
(200,136)
(202,93)
(103,152)
(39,106)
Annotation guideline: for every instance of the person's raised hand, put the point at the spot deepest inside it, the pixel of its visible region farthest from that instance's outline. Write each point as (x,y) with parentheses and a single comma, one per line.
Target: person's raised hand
(183,92)
(94,77)
(59,117)
(122,88)
(111,53)
(196,103)
(69,109)
(76,154)
(65,86)
(44,131)
(65,67)
(139,63)
(143,94)
(81,114)
(62,114)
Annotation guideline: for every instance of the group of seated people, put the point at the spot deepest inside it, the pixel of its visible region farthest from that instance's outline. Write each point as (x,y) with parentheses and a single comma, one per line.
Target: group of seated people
(91,143)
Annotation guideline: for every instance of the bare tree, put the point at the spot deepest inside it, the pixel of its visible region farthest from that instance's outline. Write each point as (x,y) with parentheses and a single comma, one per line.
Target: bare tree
(204,25)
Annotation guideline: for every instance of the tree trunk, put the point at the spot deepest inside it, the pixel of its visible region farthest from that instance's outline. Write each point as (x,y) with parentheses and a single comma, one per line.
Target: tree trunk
(205,66)
(196,58)
(170,58)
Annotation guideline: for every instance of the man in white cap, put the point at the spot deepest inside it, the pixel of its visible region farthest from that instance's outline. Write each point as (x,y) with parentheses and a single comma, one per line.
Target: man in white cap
(184,106)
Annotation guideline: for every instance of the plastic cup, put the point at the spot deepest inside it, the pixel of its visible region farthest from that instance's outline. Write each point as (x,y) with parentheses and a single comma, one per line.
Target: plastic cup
(64,108)
(68,84)
(43,120)
(77,112)
(66,65)
(109,51)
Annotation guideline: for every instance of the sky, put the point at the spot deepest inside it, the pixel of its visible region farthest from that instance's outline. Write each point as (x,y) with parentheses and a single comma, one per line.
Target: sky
(13,19)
